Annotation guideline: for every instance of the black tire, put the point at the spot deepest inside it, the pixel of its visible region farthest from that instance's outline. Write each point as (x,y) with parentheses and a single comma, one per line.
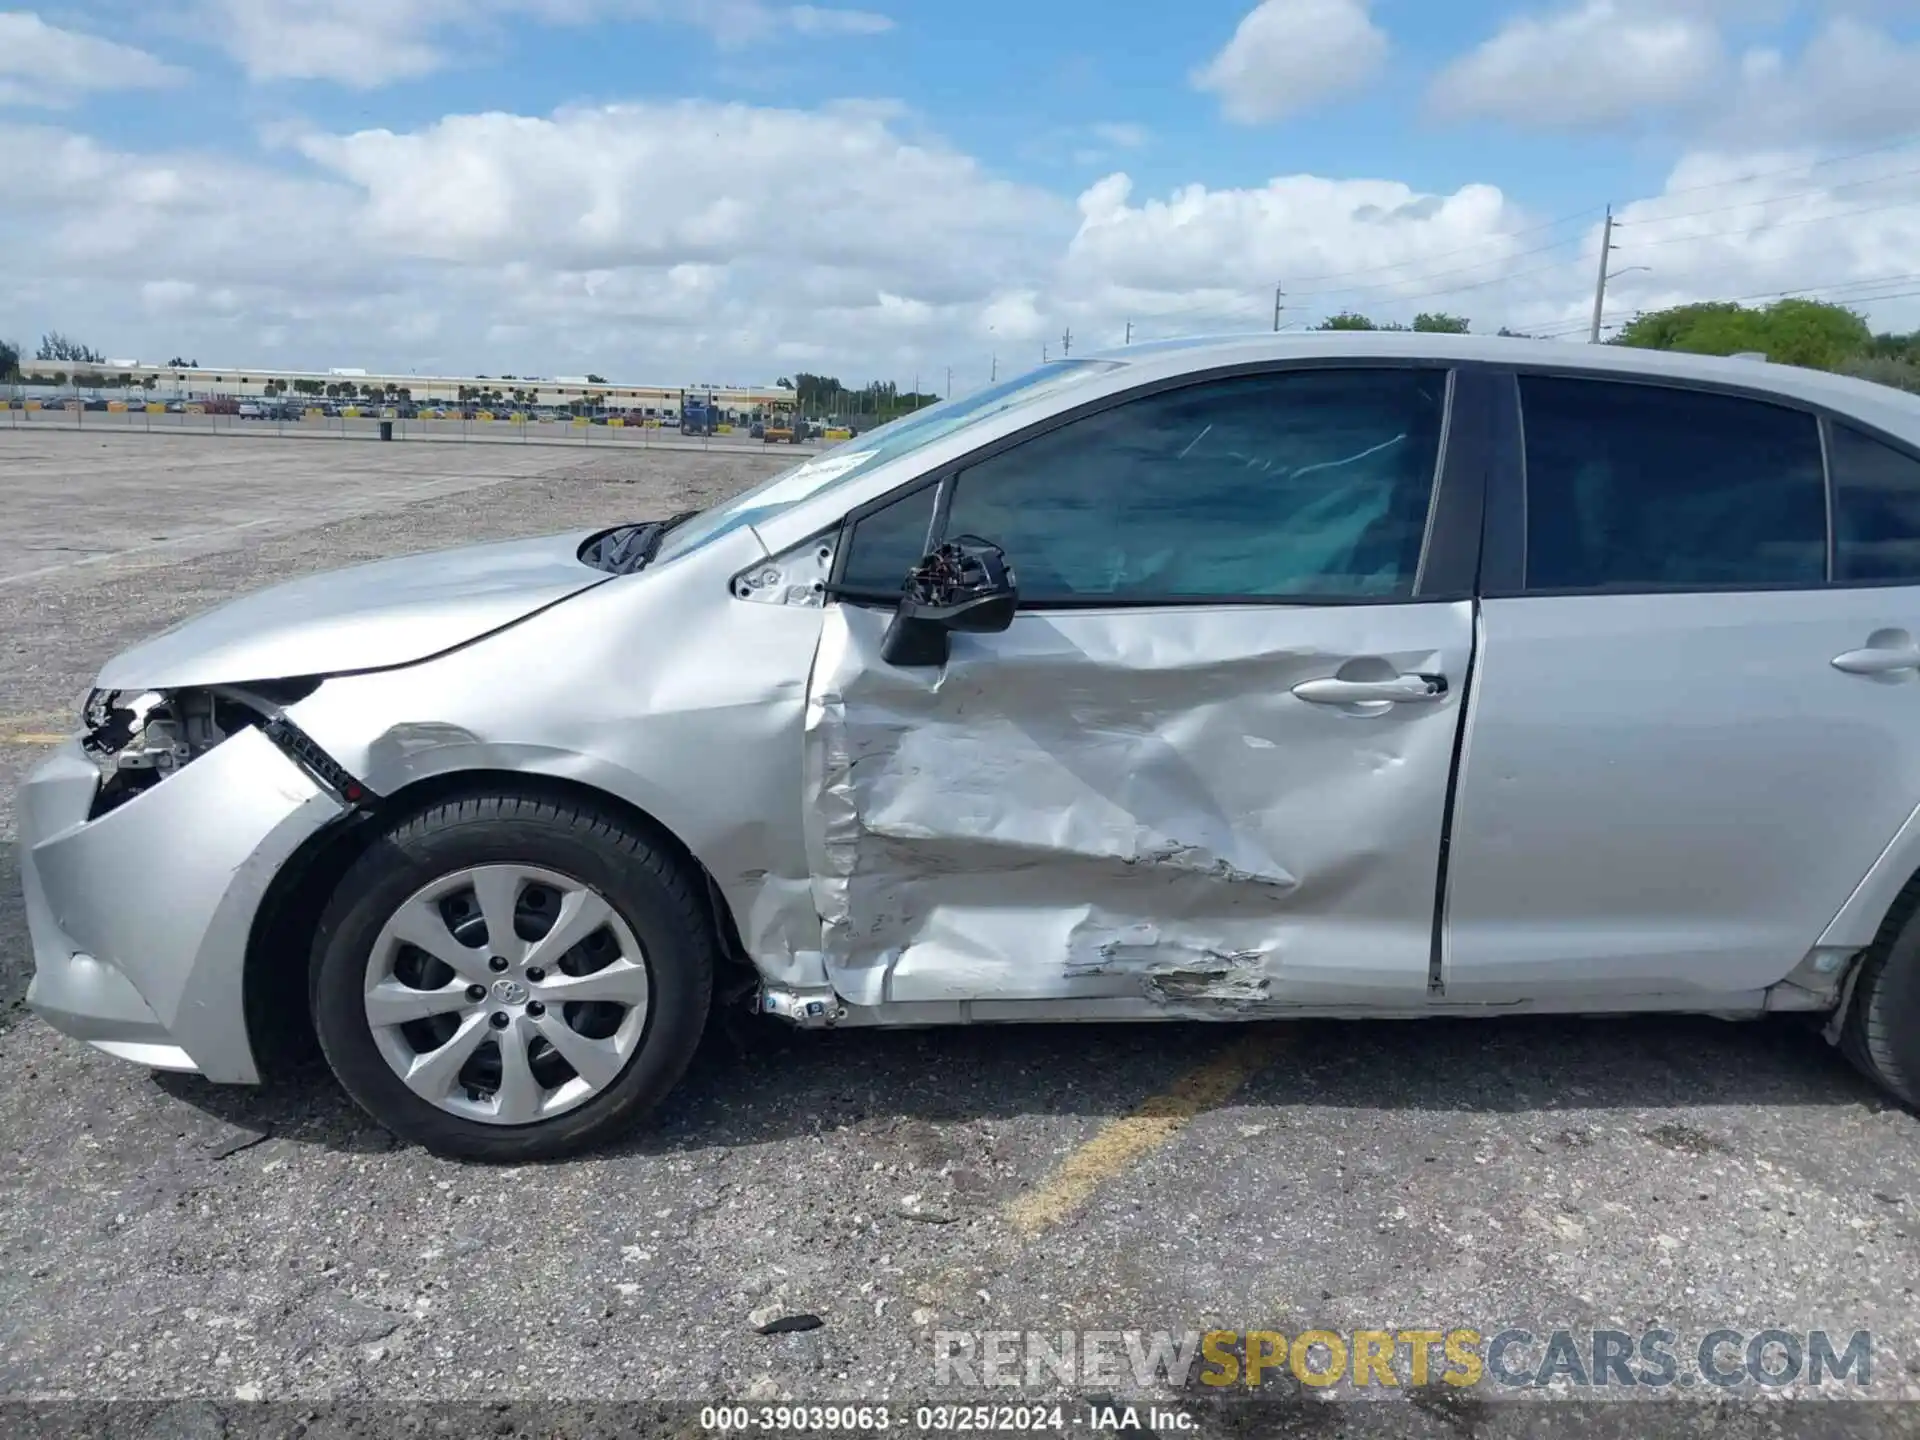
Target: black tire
(647,885)
(1881,1032)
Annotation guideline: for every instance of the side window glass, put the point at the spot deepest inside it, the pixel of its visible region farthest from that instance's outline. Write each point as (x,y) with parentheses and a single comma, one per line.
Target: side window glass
(1310,483)
(1648,487)
(1876,502)
(888,543)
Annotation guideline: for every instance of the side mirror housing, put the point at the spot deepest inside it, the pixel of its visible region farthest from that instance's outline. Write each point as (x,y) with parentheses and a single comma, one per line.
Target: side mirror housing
(965,585)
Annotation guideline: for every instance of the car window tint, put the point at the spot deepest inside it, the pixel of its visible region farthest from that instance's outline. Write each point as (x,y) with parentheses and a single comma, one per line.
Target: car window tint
(1307,483)
(1876,495)
(889,543)
(1643,486)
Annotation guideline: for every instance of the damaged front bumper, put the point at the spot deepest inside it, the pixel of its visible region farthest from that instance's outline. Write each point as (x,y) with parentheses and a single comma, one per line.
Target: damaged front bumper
(140,918)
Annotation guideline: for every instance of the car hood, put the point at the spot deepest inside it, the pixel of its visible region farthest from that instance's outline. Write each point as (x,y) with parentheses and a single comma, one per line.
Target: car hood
(365,617)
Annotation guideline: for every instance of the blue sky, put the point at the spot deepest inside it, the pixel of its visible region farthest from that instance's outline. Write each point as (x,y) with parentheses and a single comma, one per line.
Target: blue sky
(744,185)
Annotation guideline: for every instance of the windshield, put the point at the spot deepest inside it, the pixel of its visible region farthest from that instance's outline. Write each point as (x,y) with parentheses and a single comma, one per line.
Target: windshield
(877,447)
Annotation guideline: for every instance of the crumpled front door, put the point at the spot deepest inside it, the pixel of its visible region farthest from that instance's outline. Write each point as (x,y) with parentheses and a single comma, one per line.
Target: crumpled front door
(1134,803)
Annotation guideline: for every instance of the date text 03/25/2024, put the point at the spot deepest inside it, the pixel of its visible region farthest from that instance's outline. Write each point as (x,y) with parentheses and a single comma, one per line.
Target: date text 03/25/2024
(939,1419)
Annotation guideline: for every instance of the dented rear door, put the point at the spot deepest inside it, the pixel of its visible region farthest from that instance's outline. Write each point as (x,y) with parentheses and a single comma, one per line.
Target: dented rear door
(1208,766)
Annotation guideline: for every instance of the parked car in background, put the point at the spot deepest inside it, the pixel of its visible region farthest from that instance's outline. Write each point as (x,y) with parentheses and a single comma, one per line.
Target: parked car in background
(1344,674)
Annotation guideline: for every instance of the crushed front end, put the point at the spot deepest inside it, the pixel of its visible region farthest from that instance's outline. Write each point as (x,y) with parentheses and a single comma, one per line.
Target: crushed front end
(146,846)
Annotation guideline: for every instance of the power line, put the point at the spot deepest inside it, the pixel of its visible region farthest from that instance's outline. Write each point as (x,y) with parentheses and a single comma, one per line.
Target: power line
(1771,199)
(1571,327)
(1442,274)
(1822,289)
(1901,144)
(1463,250)
(1483,284)
(1773,225)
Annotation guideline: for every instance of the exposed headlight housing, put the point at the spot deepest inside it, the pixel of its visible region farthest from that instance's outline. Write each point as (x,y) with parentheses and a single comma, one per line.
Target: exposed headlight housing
(139,737)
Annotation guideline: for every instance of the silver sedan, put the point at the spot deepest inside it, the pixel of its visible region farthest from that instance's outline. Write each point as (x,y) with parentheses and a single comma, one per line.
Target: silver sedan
(1318,675)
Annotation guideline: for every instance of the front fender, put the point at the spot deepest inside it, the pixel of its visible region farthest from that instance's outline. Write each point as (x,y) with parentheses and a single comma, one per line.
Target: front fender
(699,727)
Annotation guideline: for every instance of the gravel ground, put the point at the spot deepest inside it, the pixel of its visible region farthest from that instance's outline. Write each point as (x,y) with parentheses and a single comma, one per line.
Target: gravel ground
(164,1238)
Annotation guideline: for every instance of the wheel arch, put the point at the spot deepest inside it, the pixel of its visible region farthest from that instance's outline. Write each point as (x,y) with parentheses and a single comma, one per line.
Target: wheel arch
(1881,893)
(274,995)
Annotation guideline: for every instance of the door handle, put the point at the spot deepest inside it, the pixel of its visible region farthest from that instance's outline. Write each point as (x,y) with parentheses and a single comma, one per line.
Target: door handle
(1876,660)
(1399,689)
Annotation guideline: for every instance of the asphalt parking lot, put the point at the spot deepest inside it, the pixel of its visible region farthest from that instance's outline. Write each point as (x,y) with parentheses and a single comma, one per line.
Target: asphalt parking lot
(160,1237)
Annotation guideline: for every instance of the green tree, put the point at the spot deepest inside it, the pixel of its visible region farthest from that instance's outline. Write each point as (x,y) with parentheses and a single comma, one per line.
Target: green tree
(55,346)
(1884,370)
(1346,320)
(1813,333)
(9,359)
(593,379)
(1440,323)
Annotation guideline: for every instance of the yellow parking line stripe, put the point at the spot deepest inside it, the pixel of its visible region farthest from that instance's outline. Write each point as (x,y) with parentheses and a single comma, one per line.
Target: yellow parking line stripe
(1122,1141)
(31,738)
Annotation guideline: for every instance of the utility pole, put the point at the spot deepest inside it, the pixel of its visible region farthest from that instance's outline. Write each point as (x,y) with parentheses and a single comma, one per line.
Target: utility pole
(1279,298)
(994,373)
(949,382)
(1043,352)
(1129,339)
(1600,285)
(1066,342)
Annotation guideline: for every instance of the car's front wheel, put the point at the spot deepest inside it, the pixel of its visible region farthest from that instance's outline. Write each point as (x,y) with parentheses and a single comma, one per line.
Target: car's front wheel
(510,977)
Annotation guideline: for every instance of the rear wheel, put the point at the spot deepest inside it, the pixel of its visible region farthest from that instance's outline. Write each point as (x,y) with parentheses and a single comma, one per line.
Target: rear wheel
(506,977)
(1881,1033)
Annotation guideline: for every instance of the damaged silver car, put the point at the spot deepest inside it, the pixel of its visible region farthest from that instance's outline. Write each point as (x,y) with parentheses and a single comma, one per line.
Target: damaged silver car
(1317,675)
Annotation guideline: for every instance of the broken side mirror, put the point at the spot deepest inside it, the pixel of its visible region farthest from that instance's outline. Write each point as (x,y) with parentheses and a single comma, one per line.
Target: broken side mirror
(965,585)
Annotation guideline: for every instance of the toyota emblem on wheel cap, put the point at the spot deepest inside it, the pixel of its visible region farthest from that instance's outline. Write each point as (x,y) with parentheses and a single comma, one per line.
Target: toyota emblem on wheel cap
(509,992)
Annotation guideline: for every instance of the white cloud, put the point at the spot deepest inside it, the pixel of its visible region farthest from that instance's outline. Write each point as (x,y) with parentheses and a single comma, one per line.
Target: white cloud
(1203,259)
(1852,81)
(1289,55)
(601,239)
(357,42)
(41,64)
(368,43)
(812,20)
(1600,62)
(1122,134)
(633,185)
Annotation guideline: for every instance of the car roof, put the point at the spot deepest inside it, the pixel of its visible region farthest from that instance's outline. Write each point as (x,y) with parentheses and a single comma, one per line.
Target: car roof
(1879,405)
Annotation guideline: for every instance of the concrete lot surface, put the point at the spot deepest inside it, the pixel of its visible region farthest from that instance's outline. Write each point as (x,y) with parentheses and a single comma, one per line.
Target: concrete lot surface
(163,1237)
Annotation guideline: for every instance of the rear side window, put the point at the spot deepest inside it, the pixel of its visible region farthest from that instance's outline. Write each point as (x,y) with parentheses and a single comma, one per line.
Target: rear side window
(1649,487)
(1876,509)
